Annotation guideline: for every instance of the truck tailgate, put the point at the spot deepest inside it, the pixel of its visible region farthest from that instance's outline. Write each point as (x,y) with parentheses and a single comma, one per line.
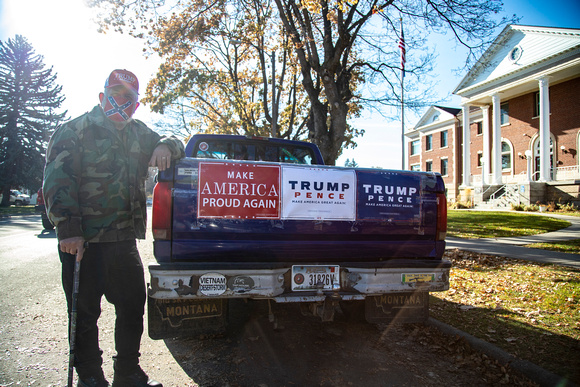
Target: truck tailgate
(256,212)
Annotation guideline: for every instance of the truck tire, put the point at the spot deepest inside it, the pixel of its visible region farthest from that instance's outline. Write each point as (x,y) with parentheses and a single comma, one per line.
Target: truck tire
(18,203)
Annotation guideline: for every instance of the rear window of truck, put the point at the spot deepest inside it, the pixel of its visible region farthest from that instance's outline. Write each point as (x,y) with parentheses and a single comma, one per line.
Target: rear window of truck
(253,151)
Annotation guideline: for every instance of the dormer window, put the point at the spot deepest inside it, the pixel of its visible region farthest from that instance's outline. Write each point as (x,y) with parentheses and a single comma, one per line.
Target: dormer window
(515,53)
(435,117)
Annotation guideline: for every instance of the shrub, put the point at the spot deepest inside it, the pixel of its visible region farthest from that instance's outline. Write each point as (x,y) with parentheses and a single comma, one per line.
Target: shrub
(459,205)
(568,207)
(531,207)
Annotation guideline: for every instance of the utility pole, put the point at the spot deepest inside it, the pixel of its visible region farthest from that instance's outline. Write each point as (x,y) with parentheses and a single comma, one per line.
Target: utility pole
(274,103)
(403,60)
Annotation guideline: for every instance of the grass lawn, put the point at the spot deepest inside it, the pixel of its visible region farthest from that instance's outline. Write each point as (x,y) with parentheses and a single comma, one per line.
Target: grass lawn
(571,246)
(486,224)
(20,210)
(530,310)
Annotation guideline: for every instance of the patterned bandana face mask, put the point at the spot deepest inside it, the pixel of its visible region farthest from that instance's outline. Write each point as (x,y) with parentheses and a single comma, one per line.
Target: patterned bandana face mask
(118,108)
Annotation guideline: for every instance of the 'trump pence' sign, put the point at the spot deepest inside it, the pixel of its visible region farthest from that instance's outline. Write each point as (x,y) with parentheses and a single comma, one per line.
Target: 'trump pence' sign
(318,193)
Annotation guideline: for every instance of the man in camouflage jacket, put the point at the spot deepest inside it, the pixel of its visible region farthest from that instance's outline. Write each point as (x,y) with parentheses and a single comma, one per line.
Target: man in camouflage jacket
(94,188)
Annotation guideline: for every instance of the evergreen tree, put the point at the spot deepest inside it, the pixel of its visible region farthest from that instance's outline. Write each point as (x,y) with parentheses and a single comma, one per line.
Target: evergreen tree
(351,163)
(29,101)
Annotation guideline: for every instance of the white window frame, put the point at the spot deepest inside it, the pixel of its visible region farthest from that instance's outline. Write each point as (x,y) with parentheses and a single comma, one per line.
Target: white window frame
(415,147)
(446,160)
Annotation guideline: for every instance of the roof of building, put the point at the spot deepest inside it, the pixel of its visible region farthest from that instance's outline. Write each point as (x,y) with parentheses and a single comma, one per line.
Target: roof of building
(520,51)
(450,110)
(435,118)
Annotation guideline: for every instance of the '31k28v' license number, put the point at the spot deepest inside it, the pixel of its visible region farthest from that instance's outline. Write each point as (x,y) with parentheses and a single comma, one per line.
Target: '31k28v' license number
(314,277)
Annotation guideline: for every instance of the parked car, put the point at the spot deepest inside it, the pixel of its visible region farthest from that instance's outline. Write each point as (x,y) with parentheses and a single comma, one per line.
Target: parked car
(19,199)
(40,207)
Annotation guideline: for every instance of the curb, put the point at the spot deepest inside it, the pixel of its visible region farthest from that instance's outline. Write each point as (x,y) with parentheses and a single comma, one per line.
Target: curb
(535,373)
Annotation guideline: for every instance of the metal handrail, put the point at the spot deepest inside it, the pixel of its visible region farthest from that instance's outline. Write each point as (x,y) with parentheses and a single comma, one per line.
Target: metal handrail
(509,191)
(492,196)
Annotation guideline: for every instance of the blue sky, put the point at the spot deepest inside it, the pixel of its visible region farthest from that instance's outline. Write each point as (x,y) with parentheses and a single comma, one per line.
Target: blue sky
(62,31)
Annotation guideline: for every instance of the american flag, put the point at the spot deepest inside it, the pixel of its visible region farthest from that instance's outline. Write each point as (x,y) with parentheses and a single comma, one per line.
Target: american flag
(403,51)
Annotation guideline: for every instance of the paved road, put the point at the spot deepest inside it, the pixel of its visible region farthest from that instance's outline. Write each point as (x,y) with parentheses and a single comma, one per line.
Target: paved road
(29,270)
(300,352)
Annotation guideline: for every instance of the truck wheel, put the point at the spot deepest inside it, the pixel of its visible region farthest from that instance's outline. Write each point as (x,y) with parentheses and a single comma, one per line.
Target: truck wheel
(18,203)
(46,224)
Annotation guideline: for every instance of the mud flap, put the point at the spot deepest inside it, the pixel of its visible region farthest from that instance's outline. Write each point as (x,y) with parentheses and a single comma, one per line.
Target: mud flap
(185,318)
(402,308)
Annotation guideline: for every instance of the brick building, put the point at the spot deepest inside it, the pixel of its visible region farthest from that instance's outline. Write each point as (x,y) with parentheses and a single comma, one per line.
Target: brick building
(521,101)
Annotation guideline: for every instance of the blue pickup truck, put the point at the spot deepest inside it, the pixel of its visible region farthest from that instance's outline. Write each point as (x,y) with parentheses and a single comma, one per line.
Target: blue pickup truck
(251,218)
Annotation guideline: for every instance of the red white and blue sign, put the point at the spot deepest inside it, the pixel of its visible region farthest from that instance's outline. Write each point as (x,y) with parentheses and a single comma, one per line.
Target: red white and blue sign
(239,191)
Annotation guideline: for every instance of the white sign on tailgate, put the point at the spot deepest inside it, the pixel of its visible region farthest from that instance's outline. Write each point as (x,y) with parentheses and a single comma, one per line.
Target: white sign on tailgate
(318,193)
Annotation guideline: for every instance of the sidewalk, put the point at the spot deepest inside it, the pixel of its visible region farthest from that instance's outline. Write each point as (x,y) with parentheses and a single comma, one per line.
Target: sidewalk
(513,247)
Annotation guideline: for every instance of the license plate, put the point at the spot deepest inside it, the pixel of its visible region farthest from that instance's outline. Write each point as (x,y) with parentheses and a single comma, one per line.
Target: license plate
(313,277)
(418,277)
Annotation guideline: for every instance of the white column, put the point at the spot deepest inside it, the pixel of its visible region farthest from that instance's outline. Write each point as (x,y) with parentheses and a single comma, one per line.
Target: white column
(466,147)
(485,162)
(496,140)
(529,158)
(545,174)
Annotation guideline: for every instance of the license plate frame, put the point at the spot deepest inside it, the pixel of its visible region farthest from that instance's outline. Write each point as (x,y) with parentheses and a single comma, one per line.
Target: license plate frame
(305,277)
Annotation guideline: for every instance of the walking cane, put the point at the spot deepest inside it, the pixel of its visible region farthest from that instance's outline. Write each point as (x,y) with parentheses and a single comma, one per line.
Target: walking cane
(73,322)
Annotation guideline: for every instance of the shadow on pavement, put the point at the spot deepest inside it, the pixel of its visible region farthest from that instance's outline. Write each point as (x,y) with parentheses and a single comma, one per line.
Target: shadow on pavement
(47,234)
(303,351)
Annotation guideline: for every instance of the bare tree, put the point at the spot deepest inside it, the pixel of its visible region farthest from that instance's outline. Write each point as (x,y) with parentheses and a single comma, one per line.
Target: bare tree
(344,51)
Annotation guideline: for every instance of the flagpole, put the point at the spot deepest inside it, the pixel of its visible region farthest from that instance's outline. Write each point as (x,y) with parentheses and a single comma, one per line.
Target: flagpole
(403,59)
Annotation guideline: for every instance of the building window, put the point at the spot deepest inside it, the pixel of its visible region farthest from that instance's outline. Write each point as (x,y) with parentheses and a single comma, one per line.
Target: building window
(506,156)
(504,114)
(429,166)
(479,159)
(415,147)
(537,104)
(415,167)
(429,142)
(515,53)
(443,139)
(444,170)
(479,128)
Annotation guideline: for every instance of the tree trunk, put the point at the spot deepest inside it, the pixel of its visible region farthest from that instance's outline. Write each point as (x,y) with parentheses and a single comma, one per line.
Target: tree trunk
(5,196)
(327,128)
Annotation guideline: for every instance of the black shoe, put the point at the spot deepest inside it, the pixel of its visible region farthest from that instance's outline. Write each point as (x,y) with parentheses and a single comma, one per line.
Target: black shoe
(137,379)
(93,382)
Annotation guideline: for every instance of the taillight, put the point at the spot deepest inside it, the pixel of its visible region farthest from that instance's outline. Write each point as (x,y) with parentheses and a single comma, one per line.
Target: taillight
(39,198)
(441,217)
(161,222)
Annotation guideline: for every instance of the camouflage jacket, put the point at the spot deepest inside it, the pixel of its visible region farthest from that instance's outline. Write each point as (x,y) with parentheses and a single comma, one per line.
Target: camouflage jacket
(94,178)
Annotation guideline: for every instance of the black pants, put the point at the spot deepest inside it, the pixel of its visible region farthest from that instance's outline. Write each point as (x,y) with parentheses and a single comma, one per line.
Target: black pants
(114,270)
